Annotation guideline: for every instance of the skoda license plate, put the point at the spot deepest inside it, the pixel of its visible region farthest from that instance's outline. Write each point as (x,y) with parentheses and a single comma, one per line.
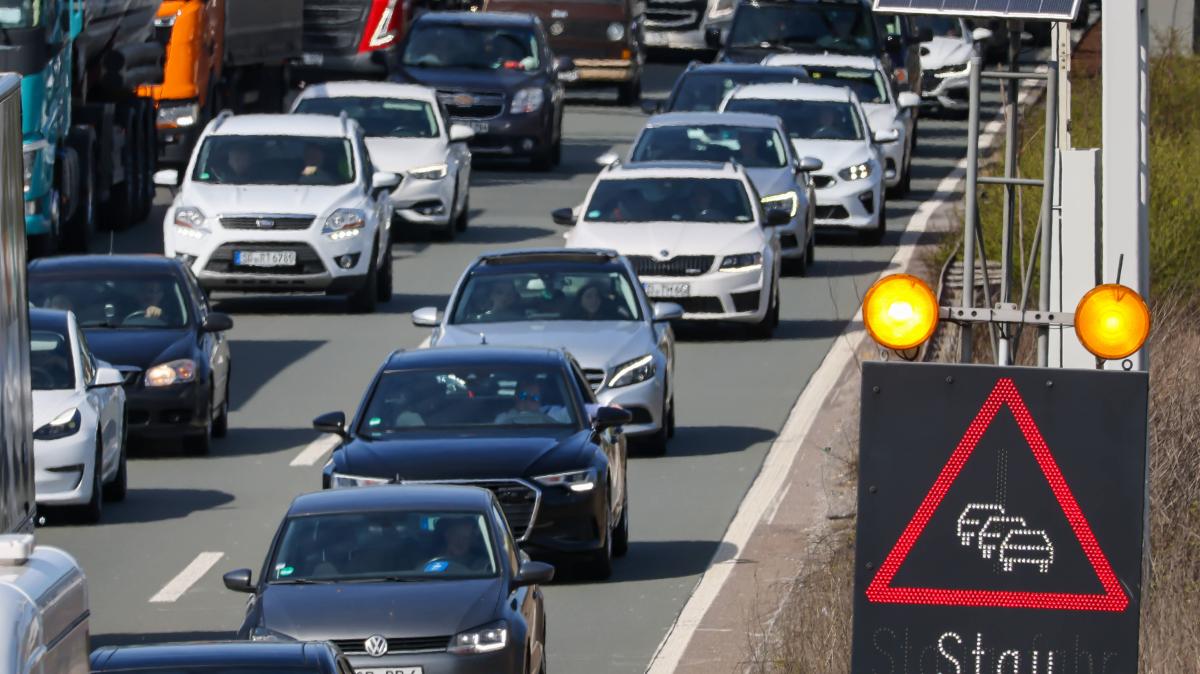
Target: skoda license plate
(264,258)
(668,291)
(390,670)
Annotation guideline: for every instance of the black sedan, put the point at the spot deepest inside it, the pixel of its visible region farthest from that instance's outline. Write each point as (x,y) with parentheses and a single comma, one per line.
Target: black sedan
(405,580)
(148,317)
(236,657)
(521,422)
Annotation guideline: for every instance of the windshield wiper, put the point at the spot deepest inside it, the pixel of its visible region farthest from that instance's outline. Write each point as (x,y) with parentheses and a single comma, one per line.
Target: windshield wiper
(299,581)
(382,579)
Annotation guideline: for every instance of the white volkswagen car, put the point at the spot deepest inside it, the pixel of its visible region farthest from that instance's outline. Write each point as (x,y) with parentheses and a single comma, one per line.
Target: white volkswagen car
(695,232)
(78,418)
(407,134)
(886,106)
(829,123)
(287,203)
(946,60)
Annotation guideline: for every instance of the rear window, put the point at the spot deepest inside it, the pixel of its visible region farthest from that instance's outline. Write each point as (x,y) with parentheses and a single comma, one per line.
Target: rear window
(809,120)
(750,146)
(379,117)
(703,92)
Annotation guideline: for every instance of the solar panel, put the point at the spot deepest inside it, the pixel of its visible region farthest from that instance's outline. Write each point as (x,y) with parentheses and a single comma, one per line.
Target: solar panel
(1046,10)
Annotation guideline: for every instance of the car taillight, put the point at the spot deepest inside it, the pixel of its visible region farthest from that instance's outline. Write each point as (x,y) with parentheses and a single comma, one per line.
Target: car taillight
(384,24)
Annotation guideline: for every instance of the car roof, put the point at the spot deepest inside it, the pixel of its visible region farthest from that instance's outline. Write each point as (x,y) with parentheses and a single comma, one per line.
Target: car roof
(453,356)
(706,118)
(543,255)
(731,67)
(392,497)
(672,169)
(478,18)
(826,60)
(293,124)
(794,92)
(864,3)
(368,89)
(121,264)
(211,654)
(48,319)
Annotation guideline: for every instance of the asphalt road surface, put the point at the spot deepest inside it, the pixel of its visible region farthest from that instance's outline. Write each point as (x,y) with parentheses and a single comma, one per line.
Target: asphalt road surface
(154,563)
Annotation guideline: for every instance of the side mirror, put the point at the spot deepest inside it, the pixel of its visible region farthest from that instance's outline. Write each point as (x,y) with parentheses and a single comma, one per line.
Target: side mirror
(533,573)
(809,164)
(712,37)
(608,159)
(611,417)
(667,311)
(651,107)
(893,42)
(331,422)
(924,34)
(887,136)
(427,317)
(167,178)
(461,133)
(565,69)
(777,217)
(908,100)
(981,34)
(238,580)
(217,322)
(108,376)
(563,216)
(384,180)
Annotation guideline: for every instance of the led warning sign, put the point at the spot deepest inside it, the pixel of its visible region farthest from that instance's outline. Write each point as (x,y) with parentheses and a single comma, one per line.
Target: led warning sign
(1000,519)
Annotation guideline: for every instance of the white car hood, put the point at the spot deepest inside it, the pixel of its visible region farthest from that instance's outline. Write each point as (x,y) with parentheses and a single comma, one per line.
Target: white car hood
(772,181)
(214,200)
(398,155)
(50,404)
(836,154)
(881,116)
(945,51)
(595,344)
(669,239)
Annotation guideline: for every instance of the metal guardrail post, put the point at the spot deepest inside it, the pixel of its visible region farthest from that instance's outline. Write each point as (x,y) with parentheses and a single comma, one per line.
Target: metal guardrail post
(967,334)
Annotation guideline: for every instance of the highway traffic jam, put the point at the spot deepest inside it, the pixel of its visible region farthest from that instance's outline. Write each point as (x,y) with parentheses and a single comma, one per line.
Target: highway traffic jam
(477,469)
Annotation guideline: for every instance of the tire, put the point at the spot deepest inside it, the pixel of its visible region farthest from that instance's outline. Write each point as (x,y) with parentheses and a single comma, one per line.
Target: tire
(765,328)
(119,487)
(220,424)
(366,299)
(600,563)
(628,93)
(383,289)
(447,231)
(464,216)
(671,419)
(547,158)
(810,250)
(620,535)
(80,227)
(874,236)
(200,444)
(796,266)
(94,509)
(656,443)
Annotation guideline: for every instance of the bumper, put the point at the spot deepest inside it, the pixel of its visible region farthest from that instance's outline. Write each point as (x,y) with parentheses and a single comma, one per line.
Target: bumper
(168,412)
(175,144)
(510,135)
(740,296)
(606,70)
(424,202)
(567,523)
(507,661)
(319,67)
(950,94)
(893,161)
(850,204)
(644,400)
(63,469)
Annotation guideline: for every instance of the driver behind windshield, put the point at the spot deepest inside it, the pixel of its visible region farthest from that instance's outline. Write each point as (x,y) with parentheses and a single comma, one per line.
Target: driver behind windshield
(531,406)
(458,546)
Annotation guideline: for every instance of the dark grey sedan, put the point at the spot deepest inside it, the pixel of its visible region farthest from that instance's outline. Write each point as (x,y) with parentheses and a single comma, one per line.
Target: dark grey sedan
(404,579)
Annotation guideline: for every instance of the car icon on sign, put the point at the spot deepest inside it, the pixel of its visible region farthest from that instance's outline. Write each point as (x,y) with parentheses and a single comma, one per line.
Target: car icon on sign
(1026,546)
(994,530)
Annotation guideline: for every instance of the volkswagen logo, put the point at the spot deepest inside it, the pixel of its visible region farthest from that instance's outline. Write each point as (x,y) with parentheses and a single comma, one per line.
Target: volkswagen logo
(375,646)
(556,28)
(265,223)
(664,254)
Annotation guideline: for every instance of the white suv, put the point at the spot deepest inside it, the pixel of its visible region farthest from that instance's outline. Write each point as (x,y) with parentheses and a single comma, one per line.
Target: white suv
(696,234)
(284,203)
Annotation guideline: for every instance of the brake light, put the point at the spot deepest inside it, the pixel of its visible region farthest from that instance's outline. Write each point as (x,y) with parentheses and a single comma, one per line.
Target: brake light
(384,24)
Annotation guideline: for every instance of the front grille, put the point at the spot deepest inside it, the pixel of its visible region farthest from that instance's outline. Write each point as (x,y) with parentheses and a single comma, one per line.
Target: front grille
(267,222)
(307,260)
(334,25)
(397,646)
(595,378)
(674,14)
(821,182)
(832,213)
(701,305)
(482,105)
(683,265)
(743,302)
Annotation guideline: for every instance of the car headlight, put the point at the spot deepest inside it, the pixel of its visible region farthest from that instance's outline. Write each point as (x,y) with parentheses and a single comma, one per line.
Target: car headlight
(341,481)
(178,115)
(30,157)
(575,480)
(174,372)
(261,633)
(189,222)
(431,172)
(741,262)
(788,200)
(947,72)
(615,31)
(632,372)
(857,172)
(486,639)
(527,100)
(344,223)
(61,426)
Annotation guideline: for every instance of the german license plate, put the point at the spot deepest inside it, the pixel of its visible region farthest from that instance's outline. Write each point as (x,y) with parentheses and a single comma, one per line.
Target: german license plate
(264,258)
(312,59)
(390,670)
(476,125)
(666,291)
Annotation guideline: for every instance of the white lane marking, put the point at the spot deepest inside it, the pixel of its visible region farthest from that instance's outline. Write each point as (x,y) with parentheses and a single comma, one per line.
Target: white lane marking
(187,578)
(778,463)
(315,450)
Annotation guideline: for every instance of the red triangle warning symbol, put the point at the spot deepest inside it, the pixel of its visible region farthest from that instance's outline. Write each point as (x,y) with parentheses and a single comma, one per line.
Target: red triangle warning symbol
(881,591)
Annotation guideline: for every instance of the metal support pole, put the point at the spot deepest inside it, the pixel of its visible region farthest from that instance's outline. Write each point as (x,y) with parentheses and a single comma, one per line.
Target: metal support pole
(966,334)
(1048,162)
(1012,88)
(1062,44)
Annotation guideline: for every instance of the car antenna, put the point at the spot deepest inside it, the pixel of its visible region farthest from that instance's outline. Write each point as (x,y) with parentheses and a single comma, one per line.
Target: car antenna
(111,240)
(482,339)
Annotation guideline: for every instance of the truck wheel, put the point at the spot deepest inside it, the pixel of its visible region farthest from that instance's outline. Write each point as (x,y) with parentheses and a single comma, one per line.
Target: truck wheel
(80,225)
(117,213)
(628,93)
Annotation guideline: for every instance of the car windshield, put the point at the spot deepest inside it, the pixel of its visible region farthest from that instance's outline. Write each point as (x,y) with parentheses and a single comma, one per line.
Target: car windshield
(51,366)
(868,85)
(750,146)
(807,120)
(568,294)
(379,117)
(142,302)
(275,160)
(440,45)
(467,398)
(18,14)
(670,200)
(386,545)
(940,26)
(703,92)
(843,28)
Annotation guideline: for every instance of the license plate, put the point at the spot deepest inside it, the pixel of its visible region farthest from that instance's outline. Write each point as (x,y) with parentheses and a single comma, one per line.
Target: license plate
(668,290)
(390,670)
(265,258)
(476,125)
(311,59)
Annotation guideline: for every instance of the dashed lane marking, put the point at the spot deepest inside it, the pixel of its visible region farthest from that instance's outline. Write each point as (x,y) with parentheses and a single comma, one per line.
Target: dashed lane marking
(316,450)
(187,578)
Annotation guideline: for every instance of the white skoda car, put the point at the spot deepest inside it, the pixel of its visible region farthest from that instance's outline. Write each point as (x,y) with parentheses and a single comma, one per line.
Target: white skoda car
(288,203)
(696,234)
(407,134)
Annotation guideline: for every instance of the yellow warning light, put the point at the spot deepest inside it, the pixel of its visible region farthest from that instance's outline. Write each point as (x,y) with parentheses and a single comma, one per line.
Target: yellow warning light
(1112,321)
(900,311)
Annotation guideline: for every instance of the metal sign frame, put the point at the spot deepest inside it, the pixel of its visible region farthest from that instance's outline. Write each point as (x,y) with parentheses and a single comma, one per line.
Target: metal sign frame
(954,9)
